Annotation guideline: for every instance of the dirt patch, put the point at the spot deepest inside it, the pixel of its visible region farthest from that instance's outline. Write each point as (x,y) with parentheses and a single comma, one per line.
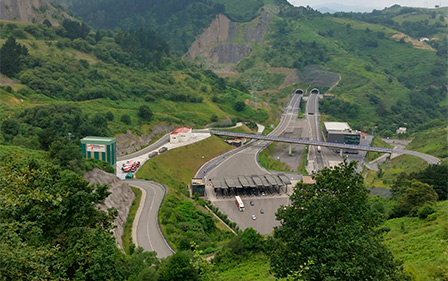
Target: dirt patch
(290,76)
(415,43)
(6,81)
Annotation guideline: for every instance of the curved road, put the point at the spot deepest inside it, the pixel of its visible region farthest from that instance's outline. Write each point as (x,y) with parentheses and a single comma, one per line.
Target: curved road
(147,233)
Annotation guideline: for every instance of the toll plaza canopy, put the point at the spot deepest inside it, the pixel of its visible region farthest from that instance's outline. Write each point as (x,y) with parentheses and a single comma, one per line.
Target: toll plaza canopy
(250,185)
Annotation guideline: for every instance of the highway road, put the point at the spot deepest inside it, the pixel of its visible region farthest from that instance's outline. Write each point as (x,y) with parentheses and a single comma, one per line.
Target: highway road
(243,161)
(147,233)
(315,158)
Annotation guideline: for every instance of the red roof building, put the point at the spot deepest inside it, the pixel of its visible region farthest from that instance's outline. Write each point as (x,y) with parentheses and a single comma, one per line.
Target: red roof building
(181,134)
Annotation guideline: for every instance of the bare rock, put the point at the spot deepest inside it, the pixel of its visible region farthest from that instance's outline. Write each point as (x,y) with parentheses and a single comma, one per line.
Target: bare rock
(121,198)
(128,143)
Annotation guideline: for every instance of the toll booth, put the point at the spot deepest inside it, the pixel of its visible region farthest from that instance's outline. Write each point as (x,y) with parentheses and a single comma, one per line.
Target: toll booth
(198,186)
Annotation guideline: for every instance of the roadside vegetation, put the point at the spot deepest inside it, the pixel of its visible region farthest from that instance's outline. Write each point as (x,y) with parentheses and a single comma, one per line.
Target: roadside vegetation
(127,232)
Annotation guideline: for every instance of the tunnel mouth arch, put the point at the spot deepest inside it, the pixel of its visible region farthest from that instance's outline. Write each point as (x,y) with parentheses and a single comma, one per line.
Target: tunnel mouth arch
(315,91)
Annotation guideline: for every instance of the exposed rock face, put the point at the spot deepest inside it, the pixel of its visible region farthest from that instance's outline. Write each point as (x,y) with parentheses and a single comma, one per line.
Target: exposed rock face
(121,198)
(129,142)
(31,11)
(216,43)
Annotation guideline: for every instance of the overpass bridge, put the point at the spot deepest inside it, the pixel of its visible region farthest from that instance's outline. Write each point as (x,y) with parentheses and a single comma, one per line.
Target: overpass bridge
(304,141)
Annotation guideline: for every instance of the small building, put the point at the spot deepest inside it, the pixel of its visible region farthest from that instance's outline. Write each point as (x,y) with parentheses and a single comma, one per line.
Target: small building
(100,148)
(328,95)
(340,132)
(198,186)
(181,134)
(424,39)
(401,130)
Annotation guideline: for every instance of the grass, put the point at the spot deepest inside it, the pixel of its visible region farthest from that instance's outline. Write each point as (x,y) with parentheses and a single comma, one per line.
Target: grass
(254,268)
(127,232)
(266,161)
(402,163)
(304,161)
(377,142)
(421,244)
(176,167)
(433,142)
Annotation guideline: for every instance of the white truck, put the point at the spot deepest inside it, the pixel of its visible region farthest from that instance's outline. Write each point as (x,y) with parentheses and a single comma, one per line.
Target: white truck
(239,203)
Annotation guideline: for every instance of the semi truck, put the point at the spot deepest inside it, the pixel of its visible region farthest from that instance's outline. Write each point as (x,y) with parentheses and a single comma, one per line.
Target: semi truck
(239,203)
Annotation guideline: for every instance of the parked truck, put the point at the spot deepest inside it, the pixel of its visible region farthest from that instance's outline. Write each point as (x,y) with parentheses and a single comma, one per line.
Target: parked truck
(239,203)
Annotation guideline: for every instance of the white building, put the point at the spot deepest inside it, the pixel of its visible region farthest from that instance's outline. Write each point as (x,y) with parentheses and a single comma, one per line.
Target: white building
(401,130)
(181,134)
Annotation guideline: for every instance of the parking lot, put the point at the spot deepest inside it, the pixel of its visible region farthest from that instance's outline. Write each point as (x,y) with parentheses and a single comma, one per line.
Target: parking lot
(263,222)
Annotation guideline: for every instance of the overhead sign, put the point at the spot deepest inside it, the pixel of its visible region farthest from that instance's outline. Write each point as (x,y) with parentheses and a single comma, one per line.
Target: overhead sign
(95,147)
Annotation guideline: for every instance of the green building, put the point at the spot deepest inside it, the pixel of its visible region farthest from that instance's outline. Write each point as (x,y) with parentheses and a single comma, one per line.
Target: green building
(100,148)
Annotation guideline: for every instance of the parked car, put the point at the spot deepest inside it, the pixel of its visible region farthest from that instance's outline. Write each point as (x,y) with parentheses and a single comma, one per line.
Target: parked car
(129,176)
(261,211)
(163,149)
(254,217)
(251,203)
(153,154)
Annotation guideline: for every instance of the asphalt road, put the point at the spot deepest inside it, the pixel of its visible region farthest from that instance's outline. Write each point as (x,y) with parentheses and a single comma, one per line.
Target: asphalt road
(147,233)
(244,162)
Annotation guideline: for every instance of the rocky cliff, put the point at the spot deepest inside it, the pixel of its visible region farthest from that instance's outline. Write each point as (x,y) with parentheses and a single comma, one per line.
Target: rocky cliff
(121,198)
(220,42)
(31,11)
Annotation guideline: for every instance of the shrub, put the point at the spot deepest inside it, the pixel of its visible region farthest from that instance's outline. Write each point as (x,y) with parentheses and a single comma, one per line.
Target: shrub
(426,210)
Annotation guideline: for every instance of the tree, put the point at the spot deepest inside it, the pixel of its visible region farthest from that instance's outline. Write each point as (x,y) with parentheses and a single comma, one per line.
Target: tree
(50,226)
(328,232)
(125,119)
(66,154)
(435,175)
(177,267)
(12,57)
(239,106)
(414,195)
(145,113)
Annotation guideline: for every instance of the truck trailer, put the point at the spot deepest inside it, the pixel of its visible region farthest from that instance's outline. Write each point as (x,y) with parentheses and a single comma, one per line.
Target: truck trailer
(239,203)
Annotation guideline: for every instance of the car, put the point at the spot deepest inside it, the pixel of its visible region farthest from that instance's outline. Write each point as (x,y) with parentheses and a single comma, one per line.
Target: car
(129,176)
(163,149)
(261,211)
(263,194)
(153,154)
(254,217)
(251,203)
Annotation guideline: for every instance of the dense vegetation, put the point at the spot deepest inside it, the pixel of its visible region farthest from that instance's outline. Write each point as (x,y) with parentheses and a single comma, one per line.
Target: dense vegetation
(178,22)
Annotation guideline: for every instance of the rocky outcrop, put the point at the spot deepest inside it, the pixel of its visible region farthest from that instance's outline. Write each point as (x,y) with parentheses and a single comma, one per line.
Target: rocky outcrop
(217,43)
(121,198)
(128,143)
(31,11)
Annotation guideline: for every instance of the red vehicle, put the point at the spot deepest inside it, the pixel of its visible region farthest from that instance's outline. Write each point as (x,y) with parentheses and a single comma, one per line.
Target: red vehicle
(130,166)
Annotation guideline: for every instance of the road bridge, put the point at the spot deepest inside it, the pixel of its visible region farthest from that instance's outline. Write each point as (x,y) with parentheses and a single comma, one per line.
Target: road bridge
(304,141)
